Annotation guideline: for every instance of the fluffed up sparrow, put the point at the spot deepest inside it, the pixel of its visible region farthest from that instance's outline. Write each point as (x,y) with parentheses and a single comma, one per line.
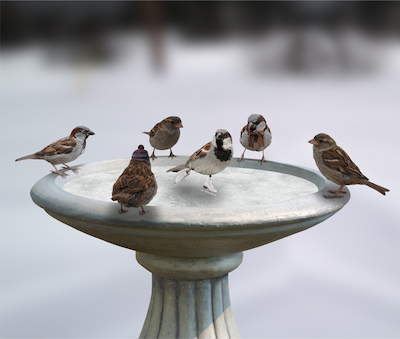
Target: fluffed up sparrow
(63,150)
(334,163)
(211,159)
(136,186)
(165,135)
(256,135)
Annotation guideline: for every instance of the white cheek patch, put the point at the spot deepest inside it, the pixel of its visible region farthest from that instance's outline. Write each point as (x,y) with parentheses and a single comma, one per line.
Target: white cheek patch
(261,126)
(227,144)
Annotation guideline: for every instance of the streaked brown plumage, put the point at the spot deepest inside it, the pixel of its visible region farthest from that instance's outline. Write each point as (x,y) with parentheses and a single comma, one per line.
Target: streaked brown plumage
(64,150)
(136,186)
(334,163)
(165,135)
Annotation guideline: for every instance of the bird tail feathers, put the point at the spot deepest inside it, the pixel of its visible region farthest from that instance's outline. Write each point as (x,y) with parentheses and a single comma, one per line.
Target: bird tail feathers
(380,189)
(31,156)
(177,168)
(148,133)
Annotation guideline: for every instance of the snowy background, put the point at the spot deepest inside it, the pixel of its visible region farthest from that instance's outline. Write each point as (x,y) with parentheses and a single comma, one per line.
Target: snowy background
(340,279)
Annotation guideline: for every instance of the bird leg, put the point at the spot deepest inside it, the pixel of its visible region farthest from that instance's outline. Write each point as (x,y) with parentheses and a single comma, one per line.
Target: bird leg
(153,156)
(122,210)
(142,211)
(262,159)
(241,158)
(182,175)
(336,193)
(171,155)
(58,172)
(74,169)
(209,185)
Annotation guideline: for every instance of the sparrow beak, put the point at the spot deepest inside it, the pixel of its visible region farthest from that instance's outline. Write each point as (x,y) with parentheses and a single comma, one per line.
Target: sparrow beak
(314,142)
(252,127)
(89,133)
(179,125)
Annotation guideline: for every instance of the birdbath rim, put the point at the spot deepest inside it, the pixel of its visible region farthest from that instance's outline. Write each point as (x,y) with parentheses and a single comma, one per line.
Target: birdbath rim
(189,231)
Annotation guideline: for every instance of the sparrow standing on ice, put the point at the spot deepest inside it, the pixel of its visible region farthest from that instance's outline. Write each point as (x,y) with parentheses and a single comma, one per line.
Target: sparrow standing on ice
(137,185)
(211,159)
(256,135)
(336,165)
(165,135)
(64,150)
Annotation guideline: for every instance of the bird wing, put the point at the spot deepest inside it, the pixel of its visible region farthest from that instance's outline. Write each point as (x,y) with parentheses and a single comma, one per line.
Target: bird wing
(62,146)
(243,129)
(200,153)
(134,180)
(153,130)
(338,160)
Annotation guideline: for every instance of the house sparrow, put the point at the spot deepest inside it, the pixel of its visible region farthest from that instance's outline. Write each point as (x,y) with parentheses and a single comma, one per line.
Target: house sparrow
(64,150)
(136,186)
(336,165)
(211,159)
(256,135)
(165,134)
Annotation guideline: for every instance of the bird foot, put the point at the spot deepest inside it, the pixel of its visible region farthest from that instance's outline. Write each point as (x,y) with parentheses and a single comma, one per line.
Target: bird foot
(122,210)
(241,158)
(171,155)
(153,155)
(182,175)
(337,192)
(263,160)
(333,196)
(63,175)
(73,169)
(209,185)
(143,211)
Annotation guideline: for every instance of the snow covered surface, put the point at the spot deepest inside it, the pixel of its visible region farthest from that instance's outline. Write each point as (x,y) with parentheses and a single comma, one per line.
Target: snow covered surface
(339,279)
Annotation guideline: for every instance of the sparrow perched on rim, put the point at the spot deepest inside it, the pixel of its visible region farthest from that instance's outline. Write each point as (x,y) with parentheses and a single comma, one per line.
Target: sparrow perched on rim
(64,150)
(165,135)
(211,159)
(136,186)
(256,135)
(334,163)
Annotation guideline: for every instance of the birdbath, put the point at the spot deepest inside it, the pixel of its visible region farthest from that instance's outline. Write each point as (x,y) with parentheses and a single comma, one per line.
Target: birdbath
(190,240)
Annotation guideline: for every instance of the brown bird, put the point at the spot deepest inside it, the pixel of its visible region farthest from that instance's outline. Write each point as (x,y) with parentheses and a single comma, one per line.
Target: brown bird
(63,150)
(165,135)
(136,186)
(334,163)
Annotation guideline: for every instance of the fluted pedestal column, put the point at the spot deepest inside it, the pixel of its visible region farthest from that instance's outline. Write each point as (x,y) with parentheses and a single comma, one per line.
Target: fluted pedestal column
(190,297)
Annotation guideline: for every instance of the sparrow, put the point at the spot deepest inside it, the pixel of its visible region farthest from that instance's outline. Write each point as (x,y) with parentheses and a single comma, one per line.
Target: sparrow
(256,135)
(211,159)
(136,186)
(165,135)
(64,150)
(334,163)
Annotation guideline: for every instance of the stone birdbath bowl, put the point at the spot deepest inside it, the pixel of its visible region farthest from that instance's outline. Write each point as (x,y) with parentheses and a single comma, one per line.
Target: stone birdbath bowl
(191,240)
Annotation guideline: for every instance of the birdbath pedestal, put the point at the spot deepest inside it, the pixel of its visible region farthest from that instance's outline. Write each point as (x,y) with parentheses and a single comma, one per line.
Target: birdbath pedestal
(190,240)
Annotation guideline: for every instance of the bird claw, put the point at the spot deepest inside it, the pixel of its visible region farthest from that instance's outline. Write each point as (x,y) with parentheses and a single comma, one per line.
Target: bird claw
(182,175)
(63,175)
(337,192)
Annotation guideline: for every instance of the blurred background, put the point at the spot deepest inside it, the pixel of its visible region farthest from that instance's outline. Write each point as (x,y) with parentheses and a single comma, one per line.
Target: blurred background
(121,67)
